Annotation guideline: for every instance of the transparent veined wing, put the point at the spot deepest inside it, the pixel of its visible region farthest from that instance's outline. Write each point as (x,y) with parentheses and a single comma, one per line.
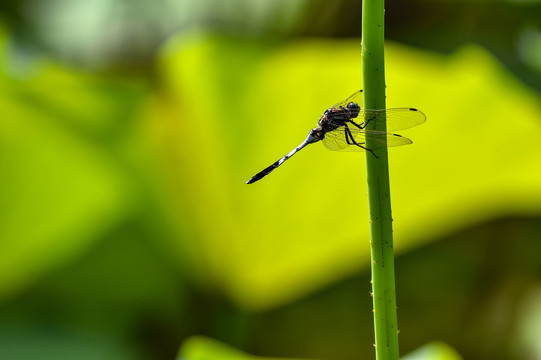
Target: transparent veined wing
(395,118)
(337,140)
(356,97)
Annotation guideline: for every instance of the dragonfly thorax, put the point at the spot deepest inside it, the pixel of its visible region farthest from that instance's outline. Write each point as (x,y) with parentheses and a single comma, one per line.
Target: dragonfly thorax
(333,118)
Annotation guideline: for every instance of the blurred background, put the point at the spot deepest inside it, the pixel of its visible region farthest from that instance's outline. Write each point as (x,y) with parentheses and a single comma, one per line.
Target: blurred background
(128,130)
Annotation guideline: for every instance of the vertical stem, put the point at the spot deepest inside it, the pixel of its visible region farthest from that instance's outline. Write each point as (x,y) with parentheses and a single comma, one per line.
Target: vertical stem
(382,265)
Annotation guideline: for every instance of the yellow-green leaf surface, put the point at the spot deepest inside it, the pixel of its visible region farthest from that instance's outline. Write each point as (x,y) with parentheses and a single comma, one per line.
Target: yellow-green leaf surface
(230,107)
(62,188)
(202,348)
(434,351)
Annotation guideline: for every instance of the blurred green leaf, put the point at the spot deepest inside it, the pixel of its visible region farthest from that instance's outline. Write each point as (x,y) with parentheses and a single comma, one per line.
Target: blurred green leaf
(65,176)
(529,325)
(233,106)
(434,351)
(202,348)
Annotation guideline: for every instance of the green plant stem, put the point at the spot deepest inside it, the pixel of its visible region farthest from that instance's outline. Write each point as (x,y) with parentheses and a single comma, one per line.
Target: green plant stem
(381,231)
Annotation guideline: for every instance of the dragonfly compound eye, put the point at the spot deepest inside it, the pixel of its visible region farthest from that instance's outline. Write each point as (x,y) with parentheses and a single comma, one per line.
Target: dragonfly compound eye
(354,109)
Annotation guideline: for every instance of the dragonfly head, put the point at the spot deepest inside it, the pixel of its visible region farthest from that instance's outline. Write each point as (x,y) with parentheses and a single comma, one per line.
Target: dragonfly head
(354,109)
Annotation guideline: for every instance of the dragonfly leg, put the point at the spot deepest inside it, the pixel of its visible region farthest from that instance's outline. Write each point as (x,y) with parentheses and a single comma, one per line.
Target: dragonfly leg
(351,141)
(357,125)
(365,123)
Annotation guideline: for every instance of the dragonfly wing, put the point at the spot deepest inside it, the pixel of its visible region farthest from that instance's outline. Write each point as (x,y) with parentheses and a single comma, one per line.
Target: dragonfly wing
(337,140)
(380,139)
(356,97)
(395,118)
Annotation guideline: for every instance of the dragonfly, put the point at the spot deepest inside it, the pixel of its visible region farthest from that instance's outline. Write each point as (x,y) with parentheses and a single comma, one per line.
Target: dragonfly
(343,127)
